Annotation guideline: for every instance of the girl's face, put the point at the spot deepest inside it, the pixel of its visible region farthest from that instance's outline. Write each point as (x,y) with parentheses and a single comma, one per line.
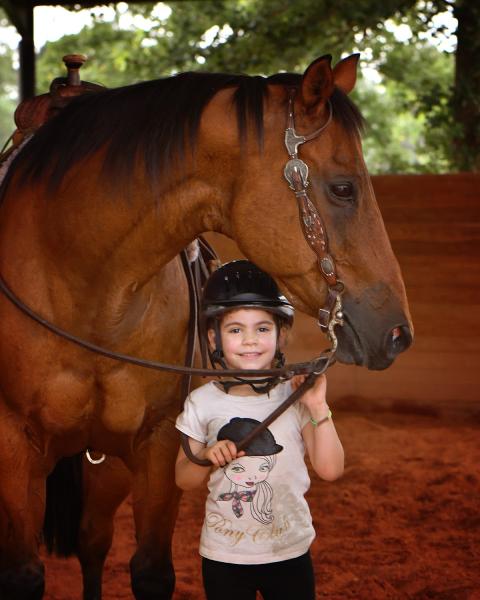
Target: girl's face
(248,473)
(249,338)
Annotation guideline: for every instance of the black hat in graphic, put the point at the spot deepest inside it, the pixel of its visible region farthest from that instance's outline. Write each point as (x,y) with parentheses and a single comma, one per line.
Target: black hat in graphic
(238,428)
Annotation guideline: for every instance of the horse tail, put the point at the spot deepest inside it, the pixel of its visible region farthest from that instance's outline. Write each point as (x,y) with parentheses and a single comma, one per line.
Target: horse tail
(64,505)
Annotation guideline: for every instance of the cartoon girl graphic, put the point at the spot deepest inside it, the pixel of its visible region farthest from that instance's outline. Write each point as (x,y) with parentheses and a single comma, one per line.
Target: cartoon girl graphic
(248,475)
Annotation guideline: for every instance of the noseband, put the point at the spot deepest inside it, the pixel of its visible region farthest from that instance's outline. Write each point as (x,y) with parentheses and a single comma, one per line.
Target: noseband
(296,173)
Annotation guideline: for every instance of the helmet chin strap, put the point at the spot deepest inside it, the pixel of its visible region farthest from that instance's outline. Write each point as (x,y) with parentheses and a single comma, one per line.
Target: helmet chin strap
(259,386)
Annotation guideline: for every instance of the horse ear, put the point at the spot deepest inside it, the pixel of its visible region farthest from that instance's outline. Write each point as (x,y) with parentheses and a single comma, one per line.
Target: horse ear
(345,73)
(317,84)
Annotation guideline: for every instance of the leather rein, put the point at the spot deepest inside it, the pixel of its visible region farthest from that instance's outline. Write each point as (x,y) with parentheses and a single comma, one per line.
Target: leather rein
(286,372)
(296,174)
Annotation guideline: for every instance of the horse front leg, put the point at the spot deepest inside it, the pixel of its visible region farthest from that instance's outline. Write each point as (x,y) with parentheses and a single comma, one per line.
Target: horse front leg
(105,486)
(22,506)
(155,505)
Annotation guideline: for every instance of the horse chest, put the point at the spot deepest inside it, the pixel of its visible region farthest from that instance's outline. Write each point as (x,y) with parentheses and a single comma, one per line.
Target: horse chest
(121,406)
(68,402)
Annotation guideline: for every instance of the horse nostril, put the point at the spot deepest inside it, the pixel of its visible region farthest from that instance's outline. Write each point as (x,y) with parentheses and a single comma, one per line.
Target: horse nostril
(399,339)
(396,333)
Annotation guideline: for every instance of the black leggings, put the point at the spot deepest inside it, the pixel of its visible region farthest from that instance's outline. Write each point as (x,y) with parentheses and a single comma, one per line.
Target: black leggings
(285,580)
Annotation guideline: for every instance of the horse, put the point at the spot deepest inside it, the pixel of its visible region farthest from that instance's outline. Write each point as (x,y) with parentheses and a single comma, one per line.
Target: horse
(95,209)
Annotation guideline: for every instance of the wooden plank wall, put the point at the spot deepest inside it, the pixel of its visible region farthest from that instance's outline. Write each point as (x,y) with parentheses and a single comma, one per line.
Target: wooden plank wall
(434,226)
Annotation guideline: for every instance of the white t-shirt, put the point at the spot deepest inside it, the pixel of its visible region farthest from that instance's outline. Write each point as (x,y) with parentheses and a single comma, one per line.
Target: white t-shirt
(256,511)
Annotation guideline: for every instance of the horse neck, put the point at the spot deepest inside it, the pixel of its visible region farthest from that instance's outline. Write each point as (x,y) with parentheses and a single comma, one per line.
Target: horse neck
(143,234)
(79,247)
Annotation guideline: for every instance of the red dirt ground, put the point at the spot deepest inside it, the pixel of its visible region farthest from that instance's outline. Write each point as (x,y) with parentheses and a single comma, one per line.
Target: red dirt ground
(403,522)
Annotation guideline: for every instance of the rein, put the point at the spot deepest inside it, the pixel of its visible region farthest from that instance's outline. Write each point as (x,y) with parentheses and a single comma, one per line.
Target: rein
(287,372)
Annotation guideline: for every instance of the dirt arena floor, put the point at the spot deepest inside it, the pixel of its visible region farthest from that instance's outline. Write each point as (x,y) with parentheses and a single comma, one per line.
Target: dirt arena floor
(403,522)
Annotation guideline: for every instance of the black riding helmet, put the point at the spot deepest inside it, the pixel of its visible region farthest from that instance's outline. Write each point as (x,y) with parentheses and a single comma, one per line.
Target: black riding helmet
(241,284)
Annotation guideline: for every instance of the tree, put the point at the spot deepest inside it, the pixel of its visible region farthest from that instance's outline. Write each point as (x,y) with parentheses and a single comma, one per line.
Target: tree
(414,114)
(418,82)
(466,94)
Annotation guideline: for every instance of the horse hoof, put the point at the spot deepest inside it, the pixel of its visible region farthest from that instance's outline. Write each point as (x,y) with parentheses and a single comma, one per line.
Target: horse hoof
(151,581)
(26,582)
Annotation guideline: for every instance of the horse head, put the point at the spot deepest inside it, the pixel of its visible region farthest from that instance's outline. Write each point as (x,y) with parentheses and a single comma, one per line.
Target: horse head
(265,222)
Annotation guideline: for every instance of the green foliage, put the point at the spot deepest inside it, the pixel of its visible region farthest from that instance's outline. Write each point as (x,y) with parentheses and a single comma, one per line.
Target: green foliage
(398,140)
(265,36)
(8,83)
(8,100)
(113,55)
(410,113)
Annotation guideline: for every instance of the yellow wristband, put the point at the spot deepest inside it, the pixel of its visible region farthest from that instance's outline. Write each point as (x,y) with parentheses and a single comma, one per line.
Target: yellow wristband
(316,423)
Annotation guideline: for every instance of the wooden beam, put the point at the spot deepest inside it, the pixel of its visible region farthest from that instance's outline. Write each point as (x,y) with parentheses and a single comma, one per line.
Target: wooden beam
(26,51)
(16,13)
(21,16)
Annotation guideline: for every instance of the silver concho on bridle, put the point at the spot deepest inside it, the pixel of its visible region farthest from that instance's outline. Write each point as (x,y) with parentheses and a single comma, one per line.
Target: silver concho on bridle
(296,166)
(296,174)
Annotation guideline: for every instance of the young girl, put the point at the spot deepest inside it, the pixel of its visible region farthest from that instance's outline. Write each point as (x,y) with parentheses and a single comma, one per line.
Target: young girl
(258,528)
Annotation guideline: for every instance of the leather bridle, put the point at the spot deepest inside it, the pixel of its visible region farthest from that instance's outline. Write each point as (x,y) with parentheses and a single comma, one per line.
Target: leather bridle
(296,173)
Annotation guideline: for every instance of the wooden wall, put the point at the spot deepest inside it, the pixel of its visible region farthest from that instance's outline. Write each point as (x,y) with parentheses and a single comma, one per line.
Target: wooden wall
(434,226)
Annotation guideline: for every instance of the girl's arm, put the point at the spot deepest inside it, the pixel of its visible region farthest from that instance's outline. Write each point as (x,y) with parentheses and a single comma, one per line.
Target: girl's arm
(323,445)
(189,476)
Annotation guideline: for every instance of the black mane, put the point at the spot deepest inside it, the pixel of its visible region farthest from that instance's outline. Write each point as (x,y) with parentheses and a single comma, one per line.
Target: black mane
(151,121)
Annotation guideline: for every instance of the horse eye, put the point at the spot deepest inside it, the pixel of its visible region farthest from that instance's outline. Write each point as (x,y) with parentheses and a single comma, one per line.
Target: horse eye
(343,191)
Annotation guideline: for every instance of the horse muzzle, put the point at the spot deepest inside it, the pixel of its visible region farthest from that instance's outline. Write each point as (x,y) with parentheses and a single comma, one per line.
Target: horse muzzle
(372,339)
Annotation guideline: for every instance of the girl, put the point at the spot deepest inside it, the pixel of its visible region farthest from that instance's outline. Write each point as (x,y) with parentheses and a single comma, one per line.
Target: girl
(256,533)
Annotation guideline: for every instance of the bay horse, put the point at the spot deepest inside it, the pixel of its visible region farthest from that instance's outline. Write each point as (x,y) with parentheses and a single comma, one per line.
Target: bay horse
(94,211)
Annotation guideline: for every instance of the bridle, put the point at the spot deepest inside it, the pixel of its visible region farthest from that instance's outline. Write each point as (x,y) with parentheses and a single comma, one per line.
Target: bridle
(296,173)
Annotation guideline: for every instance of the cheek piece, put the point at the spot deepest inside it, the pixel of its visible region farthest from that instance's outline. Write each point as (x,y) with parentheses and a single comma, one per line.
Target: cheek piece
(259,386)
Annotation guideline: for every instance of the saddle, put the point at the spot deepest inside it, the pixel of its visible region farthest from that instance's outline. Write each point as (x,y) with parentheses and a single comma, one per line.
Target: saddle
(32,113)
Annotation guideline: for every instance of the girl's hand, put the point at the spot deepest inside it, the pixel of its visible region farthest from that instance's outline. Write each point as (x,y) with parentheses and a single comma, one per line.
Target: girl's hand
(296,381)
(314,399)
(222,453)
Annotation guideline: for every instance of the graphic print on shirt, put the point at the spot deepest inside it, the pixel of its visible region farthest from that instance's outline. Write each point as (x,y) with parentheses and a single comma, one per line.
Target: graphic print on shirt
(247,476)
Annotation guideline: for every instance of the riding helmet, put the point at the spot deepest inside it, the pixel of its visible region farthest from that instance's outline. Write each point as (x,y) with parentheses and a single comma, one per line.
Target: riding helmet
(240,283)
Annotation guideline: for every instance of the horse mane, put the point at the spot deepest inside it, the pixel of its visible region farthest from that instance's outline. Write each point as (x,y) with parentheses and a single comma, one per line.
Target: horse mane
(151,121)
